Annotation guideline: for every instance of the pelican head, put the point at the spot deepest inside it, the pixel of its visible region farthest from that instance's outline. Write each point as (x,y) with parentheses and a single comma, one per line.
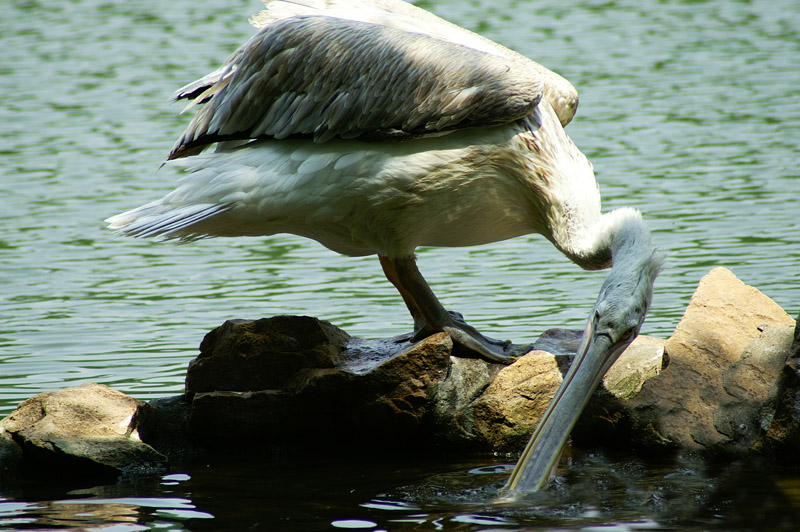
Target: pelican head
(614,323)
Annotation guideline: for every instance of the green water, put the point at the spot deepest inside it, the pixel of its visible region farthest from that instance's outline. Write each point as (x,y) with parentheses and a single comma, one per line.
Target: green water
(689,111)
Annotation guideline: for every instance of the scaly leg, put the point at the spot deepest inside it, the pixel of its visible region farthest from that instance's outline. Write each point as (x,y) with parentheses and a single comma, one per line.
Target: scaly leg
(431,317)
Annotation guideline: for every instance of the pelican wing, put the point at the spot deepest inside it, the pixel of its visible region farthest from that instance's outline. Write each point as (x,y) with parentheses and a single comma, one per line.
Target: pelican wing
(398,14)
(332,77)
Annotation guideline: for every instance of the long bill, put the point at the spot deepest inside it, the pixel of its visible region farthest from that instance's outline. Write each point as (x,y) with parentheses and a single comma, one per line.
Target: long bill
(538,461)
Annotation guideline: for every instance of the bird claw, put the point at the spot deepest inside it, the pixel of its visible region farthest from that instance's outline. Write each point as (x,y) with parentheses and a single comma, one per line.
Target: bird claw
(489,349)
(468,337)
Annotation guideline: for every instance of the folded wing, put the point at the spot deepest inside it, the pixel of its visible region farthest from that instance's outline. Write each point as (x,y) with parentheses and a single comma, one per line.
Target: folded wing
(332,77)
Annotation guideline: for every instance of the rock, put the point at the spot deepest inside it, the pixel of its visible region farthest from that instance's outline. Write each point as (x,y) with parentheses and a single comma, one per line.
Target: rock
(164,425)
(503,417)
(783,435)
(485,406)
(640,362)
(243,355)
(727,381)
(385,399)
(466,380)
(89,430)
(10,454)
(718,391)
(386,391)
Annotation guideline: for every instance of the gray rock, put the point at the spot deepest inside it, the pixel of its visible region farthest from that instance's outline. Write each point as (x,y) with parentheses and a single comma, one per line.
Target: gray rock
(10,453)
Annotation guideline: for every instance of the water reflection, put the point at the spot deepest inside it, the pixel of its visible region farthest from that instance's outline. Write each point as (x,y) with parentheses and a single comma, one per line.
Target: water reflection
(306,492)
(675,115)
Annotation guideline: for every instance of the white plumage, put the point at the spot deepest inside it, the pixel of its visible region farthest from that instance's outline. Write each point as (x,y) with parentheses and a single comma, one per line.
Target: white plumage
(375,127)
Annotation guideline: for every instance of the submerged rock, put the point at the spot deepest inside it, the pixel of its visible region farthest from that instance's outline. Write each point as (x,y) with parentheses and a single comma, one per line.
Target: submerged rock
(88,430)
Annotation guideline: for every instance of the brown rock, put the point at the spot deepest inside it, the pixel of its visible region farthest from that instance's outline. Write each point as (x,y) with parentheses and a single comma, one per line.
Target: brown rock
(387,398)
(244,355)
(89,428)
(721,371)
(504,416)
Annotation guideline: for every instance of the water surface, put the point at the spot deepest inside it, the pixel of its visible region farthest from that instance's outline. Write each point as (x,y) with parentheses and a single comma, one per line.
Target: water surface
(688,111)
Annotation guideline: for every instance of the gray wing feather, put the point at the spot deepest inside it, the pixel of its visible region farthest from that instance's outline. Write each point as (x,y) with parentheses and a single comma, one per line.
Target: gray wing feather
(401,15)
(330,77)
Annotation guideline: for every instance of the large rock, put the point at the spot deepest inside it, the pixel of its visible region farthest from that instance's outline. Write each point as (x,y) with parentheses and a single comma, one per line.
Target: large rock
(390,391)
(88,430)
(720,389)
(342,389)
(243,355)
(783,435)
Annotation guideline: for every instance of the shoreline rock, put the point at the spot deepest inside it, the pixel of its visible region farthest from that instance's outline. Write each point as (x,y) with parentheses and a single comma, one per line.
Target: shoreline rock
(88,431)
(726,382)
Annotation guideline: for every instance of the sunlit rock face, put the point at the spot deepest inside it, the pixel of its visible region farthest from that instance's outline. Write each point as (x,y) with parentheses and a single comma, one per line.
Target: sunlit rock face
(87,430)
(719,390)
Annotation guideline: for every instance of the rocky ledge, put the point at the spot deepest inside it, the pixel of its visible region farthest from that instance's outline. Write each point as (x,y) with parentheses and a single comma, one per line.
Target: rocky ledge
(727,382)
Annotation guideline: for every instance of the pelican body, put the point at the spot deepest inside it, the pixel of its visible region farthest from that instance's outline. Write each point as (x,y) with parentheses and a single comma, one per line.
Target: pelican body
(375,127)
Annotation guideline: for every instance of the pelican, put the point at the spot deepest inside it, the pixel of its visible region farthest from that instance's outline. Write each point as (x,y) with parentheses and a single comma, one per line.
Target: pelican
(375,127)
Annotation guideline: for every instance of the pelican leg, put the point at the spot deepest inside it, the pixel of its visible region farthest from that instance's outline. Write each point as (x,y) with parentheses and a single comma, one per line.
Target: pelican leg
(391,274)
(431,317)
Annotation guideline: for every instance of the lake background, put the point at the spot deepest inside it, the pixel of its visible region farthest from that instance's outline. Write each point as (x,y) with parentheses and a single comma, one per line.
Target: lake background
(690,111)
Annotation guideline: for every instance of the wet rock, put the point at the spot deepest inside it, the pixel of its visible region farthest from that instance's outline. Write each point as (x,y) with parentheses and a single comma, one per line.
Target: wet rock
(719,390)
(88,430)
